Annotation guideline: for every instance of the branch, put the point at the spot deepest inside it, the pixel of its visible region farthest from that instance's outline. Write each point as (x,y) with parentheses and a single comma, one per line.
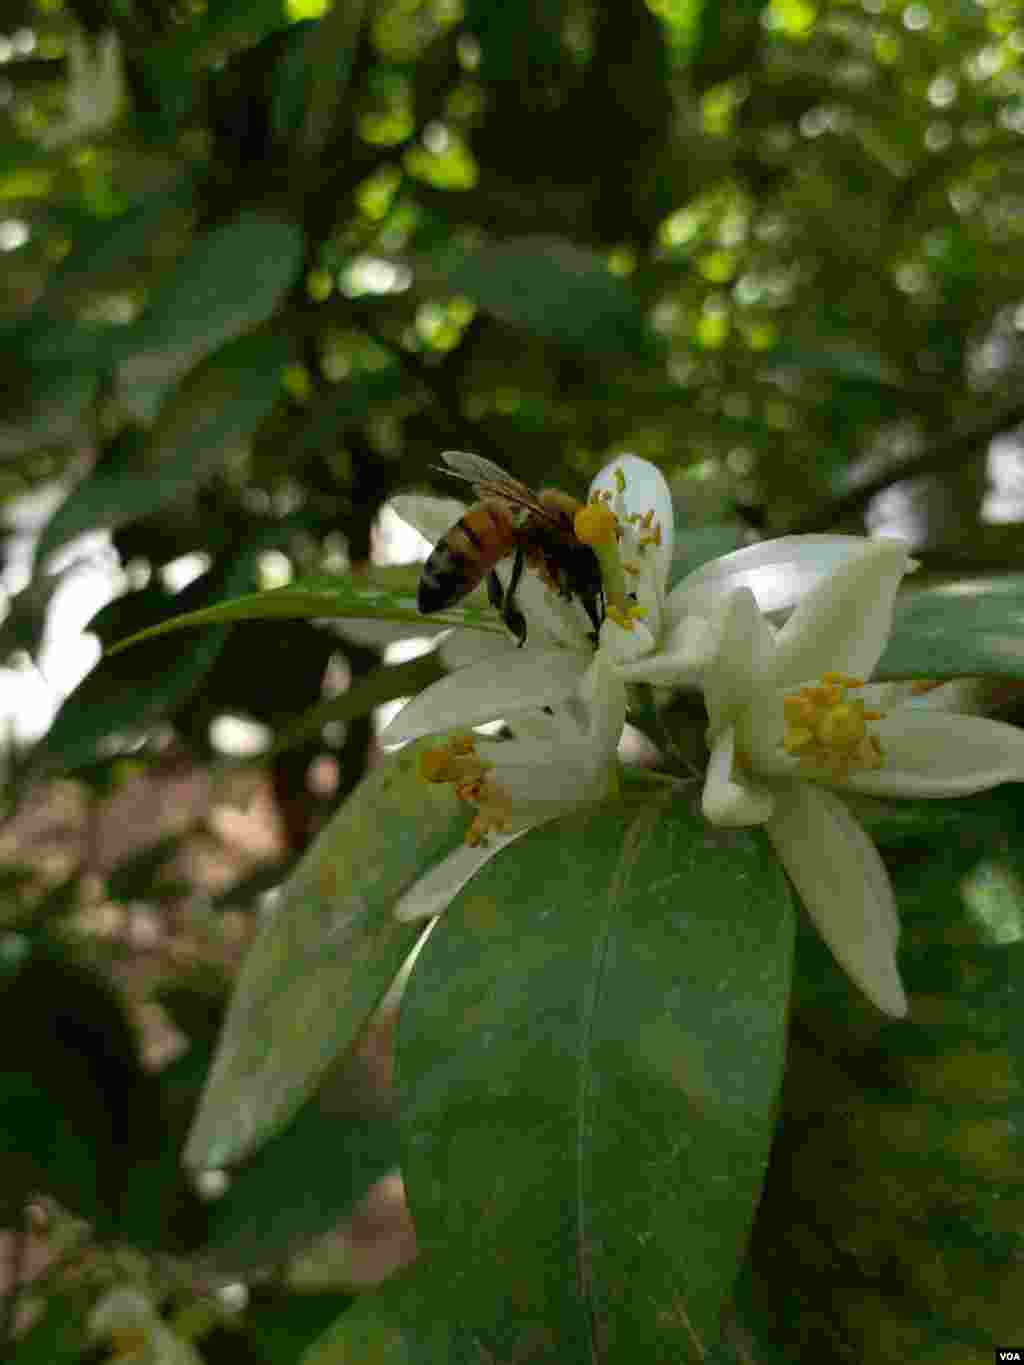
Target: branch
(943,455)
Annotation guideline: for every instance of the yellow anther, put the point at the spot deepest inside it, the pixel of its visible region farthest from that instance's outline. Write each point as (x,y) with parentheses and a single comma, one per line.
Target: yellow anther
(798,710)
(596,524)
(651,537)
(630,568)
(434,765)
(457,762)
(925,685)
(843,681)
(647,518)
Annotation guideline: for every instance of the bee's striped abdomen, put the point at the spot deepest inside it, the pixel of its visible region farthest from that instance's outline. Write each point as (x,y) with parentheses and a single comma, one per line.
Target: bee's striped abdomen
(458,562)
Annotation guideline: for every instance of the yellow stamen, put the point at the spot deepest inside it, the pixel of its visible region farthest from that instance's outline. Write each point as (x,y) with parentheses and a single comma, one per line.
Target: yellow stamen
(827,731)
(459,764)
(920,688)
(651,537)
(851,684)
(456,761)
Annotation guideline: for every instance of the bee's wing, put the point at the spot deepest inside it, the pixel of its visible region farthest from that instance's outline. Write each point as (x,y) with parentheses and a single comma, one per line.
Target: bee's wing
(475,468)
(492,481)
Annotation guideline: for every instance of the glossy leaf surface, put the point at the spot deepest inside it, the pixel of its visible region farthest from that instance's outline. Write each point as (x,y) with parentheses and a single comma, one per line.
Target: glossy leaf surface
(328,952)
(326,595)
(589,1052)
(971,627)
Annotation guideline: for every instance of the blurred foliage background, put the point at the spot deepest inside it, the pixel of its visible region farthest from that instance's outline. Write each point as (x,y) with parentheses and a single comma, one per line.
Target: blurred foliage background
(262,260)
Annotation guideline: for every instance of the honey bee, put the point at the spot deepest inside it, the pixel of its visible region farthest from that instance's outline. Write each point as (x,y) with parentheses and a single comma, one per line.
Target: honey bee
(508,520)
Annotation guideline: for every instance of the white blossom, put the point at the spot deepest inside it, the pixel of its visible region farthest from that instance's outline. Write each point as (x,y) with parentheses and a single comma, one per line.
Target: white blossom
(792,721)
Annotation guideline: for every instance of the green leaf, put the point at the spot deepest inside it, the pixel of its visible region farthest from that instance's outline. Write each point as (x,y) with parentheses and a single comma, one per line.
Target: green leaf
(963,629)
(106,246)
(215,408)
(588,1058)
(58,1337)
(325,595)
(401,1322)
(282,1327)
(382,685)
(700,544)
(325,958)
(895,1197)
(557,291)
(306,1178)
(231,280)
(77,1107)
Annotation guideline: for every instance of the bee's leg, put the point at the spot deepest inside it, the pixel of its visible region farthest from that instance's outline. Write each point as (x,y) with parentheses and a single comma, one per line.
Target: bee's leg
(595,613)
(495,592)
(511,615)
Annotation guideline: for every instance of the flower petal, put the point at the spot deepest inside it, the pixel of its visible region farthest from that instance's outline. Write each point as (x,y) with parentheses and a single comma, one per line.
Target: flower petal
(432,517)
(931,753)
(646,490)
(778,572)
(623,646)
(682,659)
(436,889)
(465,647)
(843,623)
(844,885)
(485,691)
(725,801)
(602,695)
(742,654)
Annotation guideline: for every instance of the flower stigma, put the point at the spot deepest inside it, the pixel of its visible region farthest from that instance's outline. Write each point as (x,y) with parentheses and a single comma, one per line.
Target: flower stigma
(828,731)
(458,763)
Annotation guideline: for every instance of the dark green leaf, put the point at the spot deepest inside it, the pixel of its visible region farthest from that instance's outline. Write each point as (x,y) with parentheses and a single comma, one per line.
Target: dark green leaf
(891,1221)
(962,629)
(401,1322)
(588,1057)
(325,595)
(306,1178)
(557,291)
(283,1326)
(384,684)
(700,544)
(78,1108)
(111,245)
(325,958)
(214,409)
(58,1337)
(230,280)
